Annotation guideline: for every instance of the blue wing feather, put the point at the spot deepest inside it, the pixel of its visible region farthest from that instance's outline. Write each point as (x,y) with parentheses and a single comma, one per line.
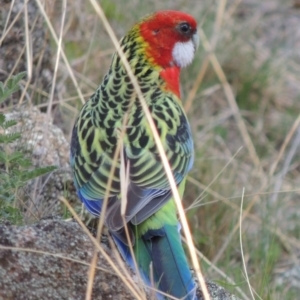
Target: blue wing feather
(93,207)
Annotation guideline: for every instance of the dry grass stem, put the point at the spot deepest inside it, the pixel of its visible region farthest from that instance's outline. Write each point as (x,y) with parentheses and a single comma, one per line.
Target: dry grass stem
(91,276)
(241,245)
(59,48)
(5,29)
(51,29)
(39,252)
(284,145)
(222,170)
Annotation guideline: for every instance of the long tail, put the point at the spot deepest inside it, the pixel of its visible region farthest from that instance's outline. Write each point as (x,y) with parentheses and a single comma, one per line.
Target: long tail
(162,248)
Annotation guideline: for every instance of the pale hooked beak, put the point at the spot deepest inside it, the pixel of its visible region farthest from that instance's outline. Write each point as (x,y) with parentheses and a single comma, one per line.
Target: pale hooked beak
(196,40)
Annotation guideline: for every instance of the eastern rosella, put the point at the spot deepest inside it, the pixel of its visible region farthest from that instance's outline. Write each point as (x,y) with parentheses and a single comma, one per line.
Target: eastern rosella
(156,48)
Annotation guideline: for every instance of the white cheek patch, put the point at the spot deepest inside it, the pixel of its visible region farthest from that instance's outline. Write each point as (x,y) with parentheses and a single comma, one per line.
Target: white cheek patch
(183,53)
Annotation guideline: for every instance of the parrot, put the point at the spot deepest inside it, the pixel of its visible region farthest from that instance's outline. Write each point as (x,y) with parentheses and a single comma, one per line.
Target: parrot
(157,47)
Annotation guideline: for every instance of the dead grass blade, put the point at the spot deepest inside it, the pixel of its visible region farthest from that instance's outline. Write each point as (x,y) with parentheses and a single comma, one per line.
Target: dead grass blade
(48,22)
(59,49)
(40,252)
(241,245)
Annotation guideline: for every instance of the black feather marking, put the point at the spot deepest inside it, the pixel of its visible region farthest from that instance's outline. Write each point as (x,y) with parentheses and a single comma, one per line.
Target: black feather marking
(171,141)
(89,140)
(135,169)
(89,123)
(144,140)
(170,112)
(109,130)
(111,124)
(126,48)
(74,142)
(112,104)
(134,132)
(131,56)
(135,151)
(137,116)
(159,109)
(137,121)
(169,123)
(105,81)
(147,73)
(157,126)
(104,93)
(84,132)
(153,149)
(113,92)
(112,140)
(139,65)
(104,145)
(93,156)
(118,99)
(130,130)
(133,44)
(145,89)
(156,94)
(116,81)
(129,88)
(160,115)
(117,61)
(77,160)
(80,124)
(85,174)
(104,110)
(118,74)
(127,79)
(100,123)
(125,106)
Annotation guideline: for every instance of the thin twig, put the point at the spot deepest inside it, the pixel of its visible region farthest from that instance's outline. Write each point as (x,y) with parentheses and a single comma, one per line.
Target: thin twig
(284,145)
(287,162)
(241,244)
(5,32)
(48,22)
(59,48)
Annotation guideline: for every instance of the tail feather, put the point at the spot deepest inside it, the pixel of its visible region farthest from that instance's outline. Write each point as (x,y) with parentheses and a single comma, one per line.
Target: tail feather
(170,266)
(163,249)
(143,263)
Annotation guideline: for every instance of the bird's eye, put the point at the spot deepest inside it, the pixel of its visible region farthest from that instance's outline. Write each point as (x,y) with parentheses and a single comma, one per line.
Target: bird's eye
(185,27)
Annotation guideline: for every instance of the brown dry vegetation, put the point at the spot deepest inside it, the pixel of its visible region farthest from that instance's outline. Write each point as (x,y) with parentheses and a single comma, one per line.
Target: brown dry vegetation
(242,97)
